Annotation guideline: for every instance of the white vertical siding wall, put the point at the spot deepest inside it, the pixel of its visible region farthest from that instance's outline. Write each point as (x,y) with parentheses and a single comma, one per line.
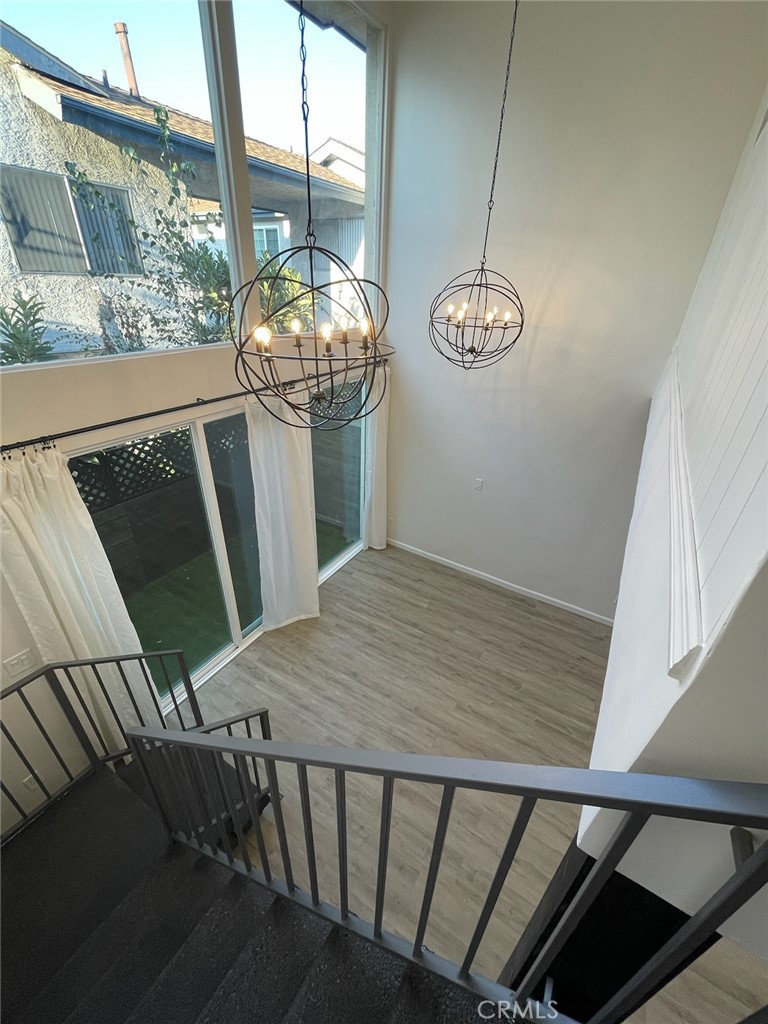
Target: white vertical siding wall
(710,721)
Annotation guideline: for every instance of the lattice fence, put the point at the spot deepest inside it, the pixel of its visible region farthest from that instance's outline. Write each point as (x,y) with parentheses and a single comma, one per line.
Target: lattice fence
(107,478)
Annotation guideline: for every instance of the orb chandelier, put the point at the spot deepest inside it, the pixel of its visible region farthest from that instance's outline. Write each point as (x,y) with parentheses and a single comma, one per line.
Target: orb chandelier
(477,318)
(317,345)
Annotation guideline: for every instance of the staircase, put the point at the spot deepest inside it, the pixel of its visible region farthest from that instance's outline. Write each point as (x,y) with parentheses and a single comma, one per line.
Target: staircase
(105,921)
(129,893)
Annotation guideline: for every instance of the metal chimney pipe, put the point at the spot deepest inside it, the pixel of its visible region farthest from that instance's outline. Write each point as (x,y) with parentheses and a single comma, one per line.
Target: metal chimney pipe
(122,34)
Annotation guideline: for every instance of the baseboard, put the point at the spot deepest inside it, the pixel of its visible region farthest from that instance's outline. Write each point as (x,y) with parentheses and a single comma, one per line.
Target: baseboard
(501,583)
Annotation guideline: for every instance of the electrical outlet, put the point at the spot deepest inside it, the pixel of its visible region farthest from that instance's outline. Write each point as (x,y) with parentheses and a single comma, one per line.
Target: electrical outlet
(20,664)
(478,484)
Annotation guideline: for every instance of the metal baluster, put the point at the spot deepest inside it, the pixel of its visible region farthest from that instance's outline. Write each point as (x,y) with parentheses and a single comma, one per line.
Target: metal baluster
(510,850)
(384,831)
(25,761)
(68,710)
(108,699)
(164,754)
(169,684)
(249,733)
(139,749)
(191,794)
(190,690)
(621,840)
(13,800)
(129,691)
(87,712)
(281,833)
(213,803)
(221,771)
(677,951)
(152,692)
(46,737)
(242,771)
(434,866)
(341,829)
(309,839)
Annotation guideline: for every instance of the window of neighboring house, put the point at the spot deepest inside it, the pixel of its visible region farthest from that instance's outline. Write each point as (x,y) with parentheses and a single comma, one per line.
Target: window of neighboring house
(37,209)
(108,228)
(267,239)
(56,228)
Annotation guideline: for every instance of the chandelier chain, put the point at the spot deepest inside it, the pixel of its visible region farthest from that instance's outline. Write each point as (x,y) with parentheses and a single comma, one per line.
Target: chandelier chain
(311,238)
(498,139)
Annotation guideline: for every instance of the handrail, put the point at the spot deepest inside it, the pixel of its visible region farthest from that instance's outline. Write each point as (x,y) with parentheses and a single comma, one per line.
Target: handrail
(201,805)
(707,800)
(77,718)
(84,662)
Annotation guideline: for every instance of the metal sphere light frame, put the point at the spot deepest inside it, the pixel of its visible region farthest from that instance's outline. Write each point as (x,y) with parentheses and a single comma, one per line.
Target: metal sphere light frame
(322,370)
(476,319)
(479,316)
(317,347)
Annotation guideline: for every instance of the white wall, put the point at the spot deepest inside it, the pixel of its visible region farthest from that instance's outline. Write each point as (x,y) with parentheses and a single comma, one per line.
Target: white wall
(712,721)
(624,127)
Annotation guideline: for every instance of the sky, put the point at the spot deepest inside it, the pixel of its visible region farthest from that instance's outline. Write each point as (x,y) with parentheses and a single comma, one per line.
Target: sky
(168,58)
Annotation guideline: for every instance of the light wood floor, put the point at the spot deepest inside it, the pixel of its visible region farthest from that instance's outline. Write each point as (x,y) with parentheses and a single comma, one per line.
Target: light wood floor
(412,656)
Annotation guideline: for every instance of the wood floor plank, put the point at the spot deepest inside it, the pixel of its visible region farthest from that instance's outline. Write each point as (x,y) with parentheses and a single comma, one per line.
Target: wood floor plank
(410,655)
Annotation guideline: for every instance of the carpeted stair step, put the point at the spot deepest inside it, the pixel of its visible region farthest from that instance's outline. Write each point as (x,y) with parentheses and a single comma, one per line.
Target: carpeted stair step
(423,998)
(186,985)
(352,981)
(106,944)
(168,922)
(269,972)
(65,873)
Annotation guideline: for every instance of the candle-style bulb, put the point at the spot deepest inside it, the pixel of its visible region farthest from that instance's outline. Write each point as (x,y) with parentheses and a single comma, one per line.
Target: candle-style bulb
(451,308)
(343,322)
(296,325)
(262,336)
(365,328)
(507,317)
(460,314)
(327,332)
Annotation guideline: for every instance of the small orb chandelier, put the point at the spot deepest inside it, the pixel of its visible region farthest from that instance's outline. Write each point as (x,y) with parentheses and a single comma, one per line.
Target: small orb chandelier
(477,318)
(317,346)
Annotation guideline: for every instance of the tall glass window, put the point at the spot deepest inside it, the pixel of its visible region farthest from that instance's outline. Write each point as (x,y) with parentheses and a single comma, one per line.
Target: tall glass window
(145,500)
(337,468)
(227,442)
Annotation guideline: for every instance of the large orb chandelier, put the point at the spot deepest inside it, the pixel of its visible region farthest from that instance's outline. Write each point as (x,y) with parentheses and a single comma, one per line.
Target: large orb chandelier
(317,345)
(477,318)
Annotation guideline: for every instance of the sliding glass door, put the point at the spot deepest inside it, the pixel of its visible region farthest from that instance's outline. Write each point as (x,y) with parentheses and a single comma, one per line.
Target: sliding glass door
(150,510)
(337,460)
(227,445)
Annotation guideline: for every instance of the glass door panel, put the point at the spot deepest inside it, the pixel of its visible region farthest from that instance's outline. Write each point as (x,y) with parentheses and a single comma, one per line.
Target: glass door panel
(147,506)
(337,469)
(227,442)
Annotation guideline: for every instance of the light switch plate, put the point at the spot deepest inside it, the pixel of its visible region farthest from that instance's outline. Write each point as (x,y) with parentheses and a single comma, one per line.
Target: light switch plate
(19,664)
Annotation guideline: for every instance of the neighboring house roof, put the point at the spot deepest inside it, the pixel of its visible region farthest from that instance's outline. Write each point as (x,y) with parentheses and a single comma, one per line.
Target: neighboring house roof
(83,91)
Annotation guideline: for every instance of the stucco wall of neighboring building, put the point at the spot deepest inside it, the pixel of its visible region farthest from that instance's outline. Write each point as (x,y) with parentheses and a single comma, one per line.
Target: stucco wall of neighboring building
(34,138)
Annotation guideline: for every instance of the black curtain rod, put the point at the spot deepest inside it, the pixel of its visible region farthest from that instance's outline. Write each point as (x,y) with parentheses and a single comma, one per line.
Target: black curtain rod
(30,442)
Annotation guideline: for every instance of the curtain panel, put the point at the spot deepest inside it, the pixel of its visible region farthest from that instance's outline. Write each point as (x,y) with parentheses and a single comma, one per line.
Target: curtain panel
(55,566)
(281,463)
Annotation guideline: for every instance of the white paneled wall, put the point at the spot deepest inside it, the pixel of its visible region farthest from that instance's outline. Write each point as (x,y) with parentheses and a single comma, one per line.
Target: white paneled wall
(710,719)
(723,368)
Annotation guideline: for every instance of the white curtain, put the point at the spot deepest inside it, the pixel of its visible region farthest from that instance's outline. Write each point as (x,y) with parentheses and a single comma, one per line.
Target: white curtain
(58,572)
(281,463)
(376,425)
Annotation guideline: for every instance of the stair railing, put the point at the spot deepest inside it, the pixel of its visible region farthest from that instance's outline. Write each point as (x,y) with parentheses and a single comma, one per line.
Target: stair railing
(60,722)
(196,788)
